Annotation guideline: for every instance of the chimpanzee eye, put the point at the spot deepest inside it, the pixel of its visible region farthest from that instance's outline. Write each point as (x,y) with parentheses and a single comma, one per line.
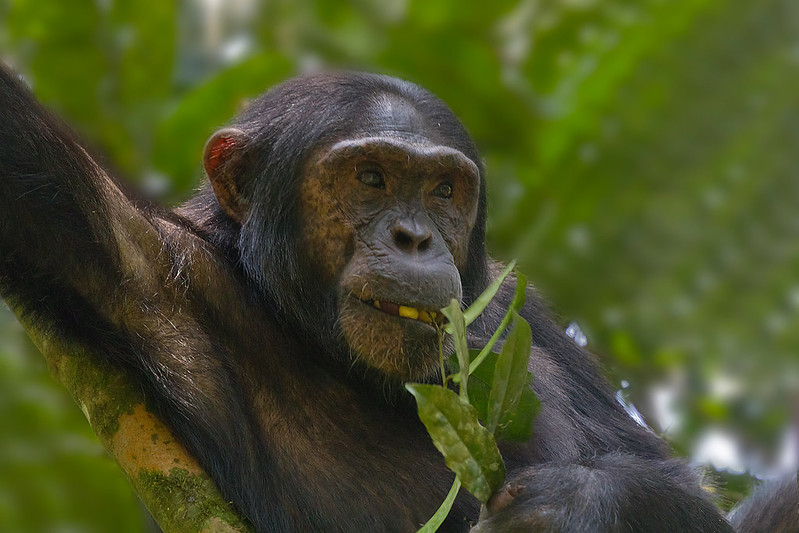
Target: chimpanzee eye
(444,190)
(372,178)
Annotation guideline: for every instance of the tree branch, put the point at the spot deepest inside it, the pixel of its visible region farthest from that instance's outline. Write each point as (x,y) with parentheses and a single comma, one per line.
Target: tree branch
(176,490)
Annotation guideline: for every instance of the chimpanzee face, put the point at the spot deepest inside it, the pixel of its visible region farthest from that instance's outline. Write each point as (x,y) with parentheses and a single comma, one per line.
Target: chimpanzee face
(389,218)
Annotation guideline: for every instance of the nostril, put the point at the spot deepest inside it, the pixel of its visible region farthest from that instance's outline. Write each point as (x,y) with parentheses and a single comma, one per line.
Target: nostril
(411,237)
(425,244)
(403,240)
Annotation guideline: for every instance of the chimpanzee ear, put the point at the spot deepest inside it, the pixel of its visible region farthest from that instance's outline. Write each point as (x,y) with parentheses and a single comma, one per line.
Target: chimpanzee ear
(223,157)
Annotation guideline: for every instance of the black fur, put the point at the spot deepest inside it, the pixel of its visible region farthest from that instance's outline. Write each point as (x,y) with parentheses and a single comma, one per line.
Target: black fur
(773,507)
(237,345)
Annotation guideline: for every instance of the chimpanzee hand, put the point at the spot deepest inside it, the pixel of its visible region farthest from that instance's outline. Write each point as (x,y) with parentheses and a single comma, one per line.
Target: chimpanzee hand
(607,493)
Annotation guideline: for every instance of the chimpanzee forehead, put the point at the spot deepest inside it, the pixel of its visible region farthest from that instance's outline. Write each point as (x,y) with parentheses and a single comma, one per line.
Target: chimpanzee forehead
(391,115)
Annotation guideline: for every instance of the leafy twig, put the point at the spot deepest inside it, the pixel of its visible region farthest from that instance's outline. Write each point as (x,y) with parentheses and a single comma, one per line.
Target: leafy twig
(503,398)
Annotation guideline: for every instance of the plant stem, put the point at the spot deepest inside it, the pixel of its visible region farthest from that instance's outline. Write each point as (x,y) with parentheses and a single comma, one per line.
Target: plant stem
(438,518)
(444,376)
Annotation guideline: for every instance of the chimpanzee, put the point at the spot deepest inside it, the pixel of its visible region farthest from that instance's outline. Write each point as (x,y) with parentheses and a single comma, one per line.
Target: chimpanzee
(273,317)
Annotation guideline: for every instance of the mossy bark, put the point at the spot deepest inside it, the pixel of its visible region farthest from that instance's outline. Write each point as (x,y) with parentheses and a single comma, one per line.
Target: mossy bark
(177,492)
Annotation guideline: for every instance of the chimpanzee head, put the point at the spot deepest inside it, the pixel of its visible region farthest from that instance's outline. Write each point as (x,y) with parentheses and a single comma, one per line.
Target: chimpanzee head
(359,202)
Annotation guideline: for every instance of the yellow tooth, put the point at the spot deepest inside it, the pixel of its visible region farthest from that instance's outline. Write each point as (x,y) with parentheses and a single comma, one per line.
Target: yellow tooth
(424,316)
(408,312)
(376,303)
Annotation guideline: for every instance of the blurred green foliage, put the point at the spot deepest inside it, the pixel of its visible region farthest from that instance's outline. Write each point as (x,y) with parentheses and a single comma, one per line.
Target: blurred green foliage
(641,155)
(54,474)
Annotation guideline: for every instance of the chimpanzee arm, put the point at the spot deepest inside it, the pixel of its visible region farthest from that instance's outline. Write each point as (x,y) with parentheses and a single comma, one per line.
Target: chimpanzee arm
(68,235)
(772,507)
(137,285)
(611,492)
(73,246)
(589,467)
(82,262)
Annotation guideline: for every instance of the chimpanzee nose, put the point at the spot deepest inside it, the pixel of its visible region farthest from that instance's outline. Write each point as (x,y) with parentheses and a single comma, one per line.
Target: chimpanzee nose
(410,236)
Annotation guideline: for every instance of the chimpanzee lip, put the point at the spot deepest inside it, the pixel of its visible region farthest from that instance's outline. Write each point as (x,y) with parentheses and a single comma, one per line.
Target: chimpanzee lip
(426,316)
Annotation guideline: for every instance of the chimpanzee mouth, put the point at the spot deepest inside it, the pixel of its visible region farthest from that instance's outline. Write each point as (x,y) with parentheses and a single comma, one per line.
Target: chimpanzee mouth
(432,318)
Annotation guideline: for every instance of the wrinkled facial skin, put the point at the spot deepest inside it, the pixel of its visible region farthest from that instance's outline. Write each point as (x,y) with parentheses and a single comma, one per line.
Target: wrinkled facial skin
(388,222)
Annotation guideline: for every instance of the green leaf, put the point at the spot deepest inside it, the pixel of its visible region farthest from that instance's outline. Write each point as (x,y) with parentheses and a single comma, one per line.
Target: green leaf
(519,296)
(479,381)
(517,425)
(457,326)
(510,372)
(514,426)
(443,510)
(477,307)
(468,448)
